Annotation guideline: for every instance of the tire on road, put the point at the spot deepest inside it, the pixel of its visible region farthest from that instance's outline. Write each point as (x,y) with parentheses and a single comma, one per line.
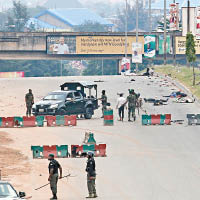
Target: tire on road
(88,113)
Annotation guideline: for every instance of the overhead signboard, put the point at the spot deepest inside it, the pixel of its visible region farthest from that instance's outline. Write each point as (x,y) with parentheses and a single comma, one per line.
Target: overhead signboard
(61,44)
(90,44)
(105,44)
(174,17)
(125,65)
(136,52)
(149,46)
(198,23)
(181,45)
(161,44)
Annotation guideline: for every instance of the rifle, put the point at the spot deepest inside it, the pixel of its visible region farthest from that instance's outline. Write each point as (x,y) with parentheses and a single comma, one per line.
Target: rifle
(69,175)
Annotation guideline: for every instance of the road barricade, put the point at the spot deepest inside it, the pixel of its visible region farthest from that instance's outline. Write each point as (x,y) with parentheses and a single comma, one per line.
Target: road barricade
(100,150)
(37,151)
(76,151)
(18,121)
(91,139)
(156,119)
(108,117)
(60,120)
(193,119)
(51,120)
(40,121)
(62,151)
(49,150)
(7,122)
(70,120)
(29,121)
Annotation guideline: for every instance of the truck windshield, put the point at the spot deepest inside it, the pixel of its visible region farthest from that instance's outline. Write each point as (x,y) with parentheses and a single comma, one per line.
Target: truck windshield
(54,97)
(7,191)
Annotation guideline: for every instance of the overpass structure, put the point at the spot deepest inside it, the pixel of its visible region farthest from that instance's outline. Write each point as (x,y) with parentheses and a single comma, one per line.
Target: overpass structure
(67,45)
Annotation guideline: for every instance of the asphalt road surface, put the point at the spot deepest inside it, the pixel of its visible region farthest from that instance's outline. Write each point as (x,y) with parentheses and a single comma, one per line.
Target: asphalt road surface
(142,163)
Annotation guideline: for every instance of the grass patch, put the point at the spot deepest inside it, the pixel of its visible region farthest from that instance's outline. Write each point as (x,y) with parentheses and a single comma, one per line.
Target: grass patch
(183,75)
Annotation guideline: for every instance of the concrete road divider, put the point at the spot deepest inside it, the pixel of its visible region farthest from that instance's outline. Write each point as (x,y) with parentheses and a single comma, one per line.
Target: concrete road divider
(193,119)
(29,121)
(156,119)
(108,117)
(44,151)
(11,122)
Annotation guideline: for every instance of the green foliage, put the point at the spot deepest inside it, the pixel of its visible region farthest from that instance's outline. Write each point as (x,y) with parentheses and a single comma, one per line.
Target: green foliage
(190,48)
(94,67)
(131,16)
(90,26)
(18,17)
(37,68)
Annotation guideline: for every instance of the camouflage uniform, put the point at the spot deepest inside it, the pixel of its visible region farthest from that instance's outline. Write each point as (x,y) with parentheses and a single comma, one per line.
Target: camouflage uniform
(91,177)
(131,99)
(104,103)
(29,103)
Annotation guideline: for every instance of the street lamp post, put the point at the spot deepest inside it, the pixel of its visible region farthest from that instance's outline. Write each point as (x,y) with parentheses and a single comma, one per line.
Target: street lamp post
(150,20)
(136,29)
(126,28)
(165,33)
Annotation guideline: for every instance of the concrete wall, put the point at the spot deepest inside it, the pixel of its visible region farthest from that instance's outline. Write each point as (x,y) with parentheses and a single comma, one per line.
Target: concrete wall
(22,42)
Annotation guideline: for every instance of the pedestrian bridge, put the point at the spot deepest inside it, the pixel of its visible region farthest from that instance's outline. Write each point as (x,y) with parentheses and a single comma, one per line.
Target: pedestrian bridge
(66,45)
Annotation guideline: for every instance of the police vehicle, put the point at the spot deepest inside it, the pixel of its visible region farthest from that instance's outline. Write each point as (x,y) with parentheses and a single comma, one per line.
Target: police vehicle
(72,99)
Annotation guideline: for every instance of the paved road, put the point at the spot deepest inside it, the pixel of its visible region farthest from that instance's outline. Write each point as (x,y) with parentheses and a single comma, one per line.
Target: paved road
(142,163)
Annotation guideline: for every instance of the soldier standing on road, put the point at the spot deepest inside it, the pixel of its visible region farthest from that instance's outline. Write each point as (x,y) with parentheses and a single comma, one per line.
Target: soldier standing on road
(53,175)
(131,99)
(103,101)
(91,175)
(29,99)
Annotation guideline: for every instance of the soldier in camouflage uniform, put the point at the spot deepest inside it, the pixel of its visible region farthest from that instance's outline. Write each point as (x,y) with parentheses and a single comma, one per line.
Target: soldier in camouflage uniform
(104,101)
(131,100)
(29,99)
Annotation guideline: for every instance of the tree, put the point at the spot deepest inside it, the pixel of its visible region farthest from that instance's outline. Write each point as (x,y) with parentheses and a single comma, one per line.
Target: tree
(90,26)
(190,52)
(18,17)
(131,16)
(95,67)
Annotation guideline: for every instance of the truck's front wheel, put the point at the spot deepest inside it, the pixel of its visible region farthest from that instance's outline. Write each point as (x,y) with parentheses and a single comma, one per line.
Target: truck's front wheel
(88,113)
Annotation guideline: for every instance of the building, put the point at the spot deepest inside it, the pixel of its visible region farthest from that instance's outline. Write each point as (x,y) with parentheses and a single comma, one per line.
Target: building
(66,19)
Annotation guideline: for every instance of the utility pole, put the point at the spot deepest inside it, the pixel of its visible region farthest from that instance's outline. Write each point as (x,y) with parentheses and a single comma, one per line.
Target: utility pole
(188,16)
(102,67)
(174,47)
(126,28)
(150,20)
(165,34)
(61,67)
(137,30)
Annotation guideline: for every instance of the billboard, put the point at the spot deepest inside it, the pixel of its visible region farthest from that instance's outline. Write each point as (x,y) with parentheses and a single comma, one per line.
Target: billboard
(174,17)
(90,44)
(161,44)
(198,23)
(11,74)
(61,44)
(181,45)
(149,46)
(136,52)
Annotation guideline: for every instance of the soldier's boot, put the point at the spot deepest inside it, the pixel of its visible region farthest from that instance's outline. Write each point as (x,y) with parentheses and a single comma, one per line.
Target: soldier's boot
(134,118)
(90,196)
(95,195)
(54,197)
